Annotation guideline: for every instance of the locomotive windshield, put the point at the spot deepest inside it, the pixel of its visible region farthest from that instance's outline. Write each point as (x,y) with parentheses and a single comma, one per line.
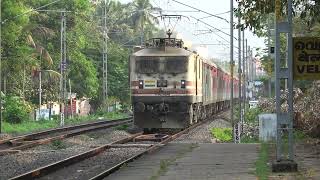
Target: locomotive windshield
(156,64)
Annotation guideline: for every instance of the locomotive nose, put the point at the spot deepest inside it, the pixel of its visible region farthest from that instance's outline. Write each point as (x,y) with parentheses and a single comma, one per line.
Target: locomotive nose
(163,107)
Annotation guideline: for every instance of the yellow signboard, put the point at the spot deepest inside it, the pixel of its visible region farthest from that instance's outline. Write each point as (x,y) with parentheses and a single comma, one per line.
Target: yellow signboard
(306,58)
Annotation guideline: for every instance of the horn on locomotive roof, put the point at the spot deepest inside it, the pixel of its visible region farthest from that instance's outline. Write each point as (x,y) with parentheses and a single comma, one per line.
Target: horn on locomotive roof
(169,33)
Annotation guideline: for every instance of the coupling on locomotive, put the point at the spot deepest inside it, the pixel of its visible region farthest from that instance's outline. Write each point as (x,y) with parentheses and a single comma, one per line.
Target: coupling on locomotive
(174,87)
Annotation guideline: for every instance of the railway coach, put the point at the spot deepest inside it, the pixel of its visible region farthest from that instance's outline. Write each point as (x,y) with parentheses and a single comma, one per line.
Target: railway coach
(173,87)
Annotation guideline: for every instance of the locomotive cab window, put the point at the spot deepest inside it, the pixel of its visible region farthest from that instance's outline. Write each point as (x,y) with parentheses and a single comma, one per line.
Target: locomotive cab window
(147,65)
(176,65)
(159,64)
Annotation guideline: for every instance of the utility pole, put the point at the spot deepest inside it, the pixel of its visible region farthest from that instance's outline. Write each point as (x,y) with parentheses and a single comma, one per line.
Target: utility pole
(0,68)
(243,78)
(284,162)
(63,66)
(40,88)
(269,55)
(231,67)
(239,75)
(105,57)
(71,105)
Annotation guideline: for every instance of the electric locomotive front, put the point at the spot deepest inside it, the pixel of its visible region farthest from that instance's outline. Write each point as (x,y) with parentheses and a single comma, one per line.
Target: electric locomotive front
(163,82)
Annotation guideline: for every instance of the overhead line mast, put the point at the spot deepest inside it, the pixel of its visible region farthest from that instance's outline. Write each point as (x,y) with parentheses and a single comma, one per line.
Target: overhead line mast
(105,57)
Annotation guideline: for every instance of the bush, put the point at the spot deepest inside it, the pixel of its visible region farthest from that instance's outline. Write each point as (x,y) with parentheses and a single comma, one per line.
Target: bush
(15,110)
(252,115)
(222,134)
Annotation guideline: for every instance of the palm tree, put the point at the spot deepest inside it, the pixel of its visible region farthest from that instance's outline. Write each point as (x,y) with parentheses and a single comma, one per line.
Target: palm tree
(141,15)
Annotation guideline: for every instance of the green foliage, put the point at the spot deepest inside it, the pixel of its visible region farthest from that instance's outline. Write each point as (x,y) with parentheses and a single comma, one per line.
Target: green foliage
(16,111)
(31,126)
(222,134)
(24,34)
(58,144)
(84,76)
(251,115)
(262,169)
(122,127)
(249,139)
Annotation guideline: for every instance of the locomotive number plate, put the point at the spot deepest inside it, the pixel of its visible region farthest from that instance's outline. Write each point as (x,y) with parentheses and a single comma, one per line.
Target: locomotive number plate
(149,83)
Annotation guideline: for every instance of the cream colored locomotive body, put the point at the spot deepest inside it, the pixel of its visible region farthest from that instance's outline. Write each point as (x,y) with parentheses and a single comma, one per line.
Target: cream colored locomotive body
(172,87)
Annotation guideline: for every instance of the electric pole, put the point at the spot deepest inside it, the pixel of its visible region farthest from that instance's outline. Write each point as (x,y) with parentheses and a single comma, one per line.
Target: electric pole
(239,73)
(243,77)
(105,57)
(63,66)
(231,67)
(0,68)
(40,86)
(284,159)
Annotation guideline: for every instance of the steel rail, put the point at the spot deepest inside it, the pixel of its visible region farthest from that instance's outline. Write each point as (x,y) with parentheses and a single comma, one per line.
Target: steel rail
(42,171)
(148,150)
(43,137)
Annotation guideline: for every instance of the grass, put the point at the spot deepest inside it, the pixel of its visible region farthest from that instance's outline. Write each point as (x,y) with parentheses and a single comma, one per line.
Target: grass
(247,139)
(31,126)
(58,144)
(122,127)
(262,169)
(222,134)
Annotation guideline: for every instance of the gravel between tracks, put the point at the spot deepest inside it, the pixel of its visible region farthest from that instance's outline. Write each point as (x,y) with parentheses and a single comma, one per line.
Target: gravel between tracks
(95,165)
(15,164)
(201,134)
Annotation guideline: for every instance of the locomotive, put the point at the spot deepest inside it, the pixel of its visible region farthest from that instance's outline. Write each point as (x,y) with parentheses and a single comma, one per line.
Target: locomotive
(173,87)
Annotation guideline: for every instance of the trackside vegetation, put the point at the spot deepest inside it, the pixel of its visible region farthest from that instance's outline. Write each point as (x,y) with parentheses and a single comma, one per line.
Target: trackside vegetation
(31,126)
(222,134)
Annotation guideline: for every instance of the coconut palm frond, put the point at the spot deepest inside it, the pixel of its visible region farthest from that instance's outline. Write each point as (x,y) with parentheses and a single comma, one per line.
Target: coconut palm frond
(30,41)
(43,31)
(47,57)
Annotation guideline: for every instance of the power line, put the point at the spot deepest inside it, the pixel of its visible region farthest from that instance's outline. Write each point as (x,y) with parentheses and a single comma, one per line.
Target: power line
(37,9)
(202,11)
(215,14)
(213,28)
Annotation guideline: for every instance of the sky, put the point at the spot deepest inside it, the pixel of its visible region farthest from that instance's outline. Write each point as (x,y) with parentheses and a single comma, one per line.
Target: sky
(190,29)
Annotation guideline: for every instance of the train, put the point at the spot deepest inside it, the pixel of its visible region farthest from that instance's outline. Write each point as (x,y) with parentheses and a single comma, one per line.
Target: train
(173,87)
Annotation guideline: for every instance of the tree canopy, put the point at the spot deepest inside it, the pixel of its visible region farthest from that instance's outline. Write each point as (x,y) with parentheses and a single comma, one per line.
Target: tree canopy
(31,43)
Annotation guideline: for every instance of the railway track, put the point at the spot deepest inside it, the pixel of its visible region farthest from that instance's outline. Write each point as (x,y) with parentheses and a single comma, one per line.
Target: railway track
(138,140)
(16,144)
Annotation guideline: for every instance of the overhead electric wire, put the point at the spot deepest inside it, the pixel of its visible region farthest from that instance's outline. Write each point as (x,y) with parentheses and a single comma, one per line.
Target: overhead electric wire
(202,11)
(41,7)
(215,14)
(212,27)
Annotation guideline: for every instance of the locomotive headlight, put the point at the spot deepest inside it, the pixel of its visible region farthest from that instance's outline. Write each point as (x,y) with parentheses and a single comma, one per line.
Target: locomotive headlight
(183,83)
(140,84)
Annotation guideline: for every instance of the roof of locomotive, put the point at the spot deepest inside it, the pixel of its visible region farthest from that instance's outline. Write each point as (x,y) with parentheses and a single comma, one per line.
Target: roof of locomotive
(169,51)
(163,47)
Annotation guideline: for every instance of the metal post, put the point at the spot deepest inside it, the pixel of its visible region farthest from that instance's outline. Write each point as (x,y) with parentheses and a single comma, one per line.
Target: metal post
(40,89)
(62,68)
(284,120)
(269,54)
(246,71)
(240,72)
(105,57)
(244,77)
(71,107)
(290,80)
(0,68)
(65,62)
(231,65)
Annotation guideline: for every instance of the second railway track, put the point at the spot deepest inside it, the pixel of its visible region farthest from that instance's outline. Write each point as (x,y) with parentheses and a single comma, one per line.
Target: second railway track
(19,143)
(93,164)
